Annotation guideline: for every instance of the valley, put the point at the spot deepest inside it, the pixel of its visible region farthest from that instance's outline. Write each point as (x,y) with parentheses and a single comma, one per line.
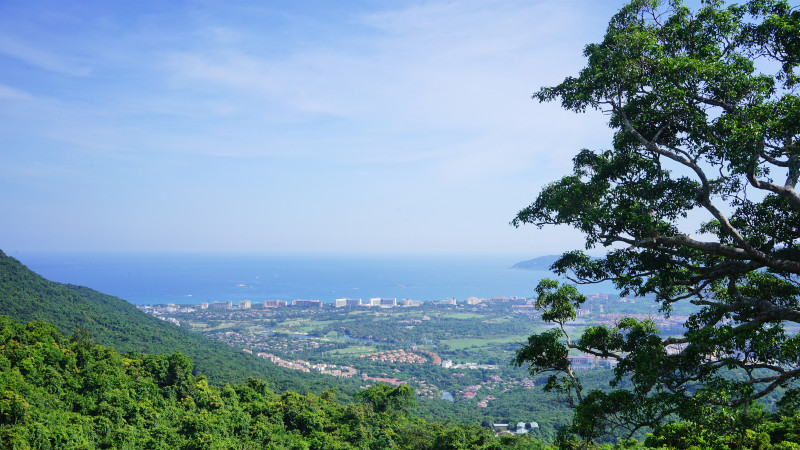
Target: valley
(455,355)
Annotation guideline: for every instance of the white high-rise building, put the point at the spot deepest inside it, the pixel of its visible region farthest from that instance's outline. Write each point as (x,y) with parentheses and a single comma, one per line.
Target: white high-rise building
(349,302)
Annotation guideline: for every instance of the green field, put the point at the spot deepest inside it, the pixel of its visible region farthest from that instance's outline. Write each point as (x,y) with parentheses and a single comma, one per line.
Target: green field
(464,343)
(223,325)
(461,315)
(353,351)
(498,320)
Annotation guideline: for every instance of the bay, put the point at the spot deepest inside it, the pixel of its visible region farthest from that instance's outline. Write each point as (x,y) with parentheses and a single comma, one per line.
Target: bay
(152,278)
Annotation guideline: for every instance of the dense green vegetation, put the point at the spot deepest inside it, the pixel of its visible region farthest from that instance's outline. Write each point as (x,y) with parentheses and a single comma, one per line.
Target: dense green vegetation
(59,392)
(114,322)
(69,393)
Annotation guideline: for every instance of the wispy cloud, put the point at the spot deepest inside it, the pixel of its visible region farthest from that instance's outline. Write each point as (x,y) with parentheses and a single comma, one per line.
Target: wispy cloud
(463,69)
(42,58)
(412,112)
(7,92)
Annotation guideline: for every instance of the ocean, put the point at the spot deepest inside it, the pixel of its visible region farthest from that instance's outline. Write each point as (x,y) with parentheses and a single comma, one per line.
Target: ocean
(193,278)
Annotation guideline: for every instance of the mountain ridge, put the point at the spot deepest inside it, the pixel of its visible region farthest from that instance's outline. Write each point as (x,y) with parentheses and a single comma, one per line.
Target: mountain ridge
(114,322)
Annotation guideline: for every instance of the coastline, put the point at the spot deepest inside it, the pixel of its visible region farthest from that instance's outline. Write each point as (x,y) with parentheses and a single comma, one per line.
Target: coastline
(193,278)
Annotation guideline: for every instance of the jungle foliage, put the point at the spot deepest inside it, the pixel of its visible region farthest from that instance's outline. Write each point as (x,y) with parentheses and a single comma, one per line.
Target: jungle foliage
(59,392)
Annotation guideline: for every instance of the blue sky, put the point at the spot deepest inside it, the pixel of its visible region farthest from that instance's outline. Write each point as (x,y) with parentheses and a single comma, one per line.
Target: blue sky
(287,126)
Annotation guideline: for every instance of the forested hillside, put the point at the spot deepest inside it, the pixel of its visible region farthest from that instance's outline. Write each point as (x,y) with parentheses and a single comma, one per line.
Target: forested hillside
(114,322)
(68,393)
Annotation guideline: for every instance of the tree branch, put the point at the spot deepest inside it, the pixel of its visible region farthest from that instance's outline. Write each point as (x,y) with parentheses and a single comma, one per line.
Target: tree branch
(786,191)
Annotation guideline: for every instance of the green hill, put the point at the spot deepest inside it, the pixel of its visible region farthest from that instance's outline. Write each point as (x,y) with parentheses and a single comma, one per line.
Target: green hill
(114,322)
(68,393)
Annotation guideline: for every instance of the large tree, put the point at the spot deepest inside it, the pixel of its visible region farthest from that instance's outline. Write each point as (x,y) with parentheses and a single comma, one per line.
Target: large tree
(695,202)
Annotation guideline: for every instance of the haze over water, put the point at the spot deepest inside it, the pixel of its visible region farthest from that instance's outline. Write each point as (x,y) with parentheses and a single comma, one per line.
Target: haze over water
(195,278)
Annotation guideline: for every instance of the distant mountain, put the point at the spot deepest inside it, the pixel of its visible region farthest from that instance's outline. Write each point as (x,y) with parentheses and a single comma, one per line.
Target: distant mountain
(114,322)
(540,263)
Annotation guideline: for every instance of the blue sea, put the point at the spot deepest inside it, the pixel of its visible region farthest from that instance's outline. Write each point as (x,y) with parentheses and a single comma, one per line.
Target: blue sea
(194,278)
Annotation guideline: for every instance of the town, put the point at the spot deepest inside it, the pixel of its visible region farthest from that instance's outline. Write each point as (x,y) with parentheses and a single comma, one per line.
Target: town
(452,351)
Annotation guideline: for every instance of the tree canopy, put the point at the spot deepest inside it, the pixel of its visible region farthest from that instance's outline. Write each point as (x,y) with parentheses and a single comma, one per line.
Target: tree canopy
(694,202)
(59,393)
